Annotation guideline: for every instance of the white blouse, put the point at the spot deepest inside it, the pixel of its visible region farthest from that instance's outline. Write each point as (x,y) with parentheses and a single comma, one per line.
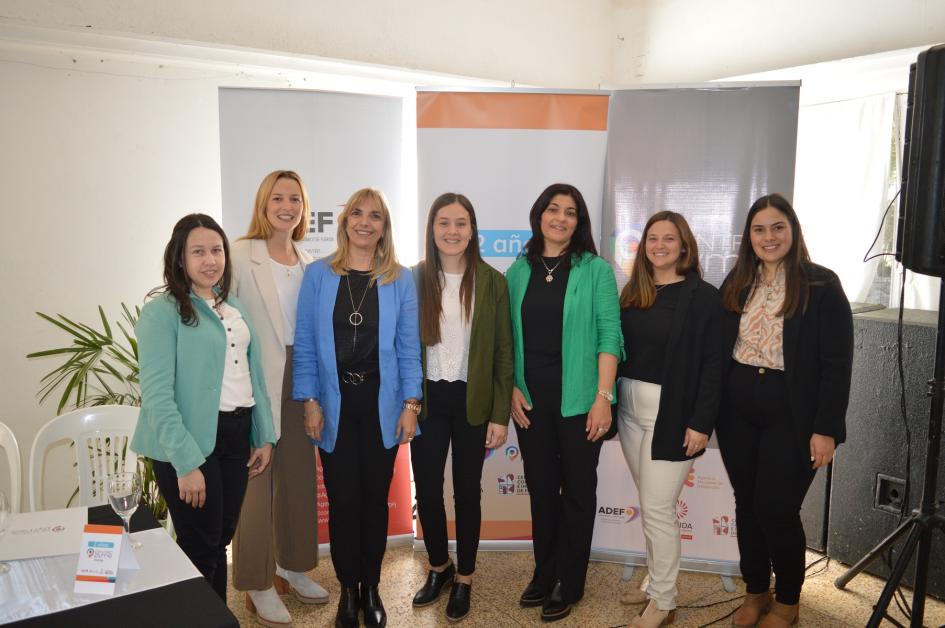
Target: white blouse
(237,389)
(449,360)
(288,280)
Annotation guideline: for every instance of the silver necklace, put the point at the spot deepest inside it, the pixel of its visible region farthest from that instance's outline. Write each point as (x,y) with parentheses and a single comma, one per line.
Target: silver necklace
(549,277)
(356,318)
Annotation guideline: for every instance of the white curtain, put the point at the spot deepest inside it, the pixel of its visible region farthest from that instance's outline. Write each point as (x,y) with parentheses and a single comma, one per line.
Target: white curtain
(842,186)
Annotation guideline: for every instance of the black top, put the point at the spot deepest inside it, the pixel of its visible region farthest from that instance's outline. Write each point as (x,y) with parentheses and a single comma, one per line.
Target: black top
(646,334)
(693,364)
(356,345)
(818,357)
(543,318)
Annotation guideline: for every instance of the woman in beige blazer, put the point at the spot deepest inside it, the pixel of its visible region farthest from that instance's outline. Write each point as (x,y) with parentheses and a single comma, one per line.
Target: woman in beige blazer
(277,538)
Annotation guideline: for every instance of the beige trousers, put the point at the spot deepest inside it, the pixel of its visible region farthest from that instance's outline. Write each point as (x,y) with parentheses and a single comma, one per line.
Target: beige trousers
(659,483)
(279,519)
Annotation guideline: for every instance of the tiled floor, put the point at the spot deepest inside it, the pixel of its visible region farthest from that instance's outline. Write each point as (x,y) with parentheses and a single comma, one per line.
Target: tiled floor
(501,576)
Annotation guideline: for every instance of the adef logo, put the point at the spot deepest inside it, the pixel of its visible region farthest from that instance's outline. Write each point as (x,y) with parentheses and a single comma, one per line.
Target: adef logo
(511,452)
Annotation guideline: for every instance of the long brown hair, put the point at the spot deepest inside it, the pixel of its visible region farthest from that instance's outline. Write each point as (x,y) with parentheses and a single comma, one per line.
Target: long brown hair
(259,226)
(640,291)
(386,266)
(582,240)
(745,273)
(176,282)
(431,271)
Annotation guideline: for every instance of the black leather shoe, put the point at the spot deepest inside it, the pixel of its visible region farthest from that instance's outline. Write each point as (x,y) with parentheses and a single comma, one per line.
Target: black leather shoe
(458,606)
(555,607)
(349,606)
(434,585)
(374,614)
(532,596)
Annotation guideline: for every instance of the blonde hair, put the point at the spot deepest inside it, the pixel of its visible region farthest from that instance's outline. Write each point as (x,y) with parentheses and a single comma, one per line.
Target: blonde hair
(386,267)
(259,227)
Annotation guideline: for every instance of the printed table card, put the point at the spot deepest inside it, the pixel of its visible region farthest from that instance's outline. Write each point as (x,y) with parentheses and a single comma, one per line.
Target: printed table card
(105,550)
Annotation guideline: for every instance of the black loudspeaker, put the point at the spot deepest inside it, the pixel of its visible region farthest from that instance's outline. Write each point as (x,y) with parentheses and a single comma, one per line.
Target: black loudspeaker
(815,510)
(868,480)
(920,241)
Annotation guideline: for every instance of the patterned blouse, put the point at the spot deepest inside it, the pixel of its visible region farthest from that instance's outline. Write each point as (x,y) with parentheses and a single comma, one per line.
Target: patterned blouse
(761,329)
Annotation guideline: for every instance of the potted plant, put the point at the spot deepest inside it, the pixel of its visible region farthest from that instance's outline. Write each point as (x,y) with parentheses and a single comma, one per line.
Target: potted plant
(100,367)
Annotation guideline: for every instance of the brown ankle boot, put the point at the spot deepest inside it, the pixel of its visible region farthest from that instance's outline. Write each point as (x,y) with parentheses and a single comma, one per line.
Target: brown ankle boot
(780,615)
(751,610)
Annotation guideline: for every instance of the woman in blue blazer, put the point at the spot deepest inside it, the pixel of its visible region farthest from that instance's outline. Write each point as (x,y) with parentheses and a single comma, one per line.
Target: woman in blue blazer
(205,414)
(357,370)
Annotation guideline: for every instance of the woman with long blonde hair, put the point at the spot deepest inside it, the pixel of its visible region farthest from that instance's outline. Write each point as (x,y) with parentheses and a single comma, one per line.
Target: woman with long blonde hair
(277,537)
(357,371)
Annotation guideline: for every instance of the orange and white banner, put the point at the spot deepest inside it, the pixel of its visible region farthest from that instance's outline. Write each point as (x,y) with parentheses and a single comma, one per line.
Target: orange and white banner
(501,149)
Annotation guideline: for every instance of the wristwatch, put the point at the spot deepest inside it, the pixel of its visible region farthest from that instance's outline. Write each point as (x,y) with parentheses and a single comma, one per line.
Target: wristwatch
(606,394)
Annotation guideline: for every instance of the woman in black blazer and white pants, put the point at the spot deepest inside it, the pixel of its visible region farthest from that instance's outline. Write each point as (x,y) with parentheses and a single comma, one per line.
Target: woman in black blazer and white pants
(669,390)
(789,332)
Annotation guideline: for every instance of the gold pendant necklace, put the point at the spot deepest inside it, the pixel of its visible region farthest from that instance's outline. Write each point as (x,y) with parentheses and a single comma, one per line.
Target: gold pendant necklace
(549,277)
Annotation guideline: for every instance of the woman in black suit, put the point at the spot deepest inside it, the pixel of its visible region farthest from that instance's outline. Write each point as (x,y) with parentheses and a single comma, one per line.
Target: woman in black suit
(789,331)
(669,390)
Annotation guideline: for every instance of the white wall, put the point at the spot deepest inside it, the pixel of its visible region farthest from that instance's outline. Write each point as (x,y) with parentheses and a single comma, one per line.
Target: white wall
(672,41)
(105,145)
(554,43)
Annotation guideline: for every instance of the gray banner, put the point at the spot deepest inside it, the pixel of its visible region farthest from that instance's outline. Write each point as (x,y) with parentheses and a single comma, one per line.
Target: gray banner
(706,152)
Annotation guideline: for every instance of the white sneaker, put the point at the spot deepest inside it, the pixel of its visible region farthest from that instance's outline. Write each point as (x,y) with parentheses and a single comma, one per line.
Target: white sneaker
(305,589)
(268,608)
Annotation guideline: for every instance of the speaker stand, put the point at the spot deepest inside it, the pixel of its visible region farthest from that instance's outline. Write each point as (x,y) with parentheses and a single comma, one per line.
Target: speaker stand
(923,521)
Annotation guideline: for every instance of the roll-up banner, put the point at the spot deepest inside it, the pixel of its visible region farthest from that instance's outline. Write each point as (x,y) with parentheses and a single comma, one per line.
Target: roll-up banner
(502,149)
(320,135)
(707,152)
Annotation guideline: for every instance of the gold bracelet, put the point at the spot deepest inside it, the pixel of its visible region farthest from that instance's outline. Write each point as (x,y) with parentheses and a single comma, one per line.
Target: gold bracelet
(413,406)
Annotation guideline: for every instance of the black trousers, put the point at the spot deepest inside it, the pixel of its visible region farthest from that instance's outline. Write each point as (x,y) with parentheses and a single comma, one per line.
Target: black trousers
(770,473)
(561,473)
(446,426)
(357,477)
(204,533)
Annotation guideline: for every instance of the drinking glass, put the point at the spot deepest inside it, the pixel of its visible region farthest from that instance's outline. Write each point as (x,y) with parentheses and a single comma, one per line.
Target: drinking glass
(4,523)
(124,493)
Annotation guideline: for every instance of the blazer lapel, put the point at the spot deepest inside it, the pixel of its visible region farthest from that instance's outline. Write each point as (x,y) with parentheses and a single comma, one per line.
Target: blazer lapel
(480,292)
(262,275)
(792,329)
(679,317)
(387,308)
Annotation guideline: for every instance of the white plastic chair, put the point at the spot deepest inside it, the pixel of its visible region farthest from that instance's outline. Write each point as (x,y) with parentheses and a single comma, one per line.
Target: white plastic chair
(102,435)
(8,444)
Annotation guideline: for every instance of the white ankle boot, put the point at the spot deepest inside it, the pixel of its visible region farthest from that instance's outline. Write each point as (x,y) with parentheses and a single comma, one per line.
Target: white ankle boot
(304,588)
(268,608)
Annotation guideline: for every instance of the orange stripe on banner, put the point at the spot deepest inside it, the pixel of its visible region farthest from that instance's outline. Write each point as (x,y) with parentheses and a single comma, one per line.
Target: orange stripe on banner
(101,529)
(462,110)
(94,579)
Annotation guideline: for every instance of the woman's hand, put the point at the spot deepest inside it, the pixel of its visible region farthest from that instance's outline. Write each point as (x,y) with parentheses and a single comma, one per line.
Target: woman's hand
(259,460)
(406,425)
(694,442)
(598,419)
(313,420)
(821,450)
(193,488)
(496,435)
(519,406)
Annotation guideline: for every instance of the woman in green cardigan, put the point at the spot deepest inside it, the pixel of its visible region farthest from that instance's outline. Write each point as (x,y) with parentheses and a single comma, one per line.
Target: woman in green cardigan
(467,340)
(205,421)
(565,328)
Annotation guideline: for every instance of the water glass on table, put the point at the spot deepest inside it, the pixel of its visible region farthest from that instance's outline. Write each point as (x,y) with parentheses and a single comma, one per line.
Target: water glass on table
(124,494)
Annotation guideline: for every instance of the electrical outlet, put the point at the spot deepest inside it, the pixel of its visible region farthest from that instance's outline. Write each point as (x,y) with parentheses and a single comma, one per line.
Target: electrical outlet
(890,491)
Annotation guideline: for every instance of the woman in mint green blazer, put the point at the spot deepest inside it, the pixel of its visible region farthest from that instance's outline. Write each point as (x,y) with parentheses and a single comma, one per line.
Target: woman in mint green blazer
(567,339)
(205,419)
(467,342)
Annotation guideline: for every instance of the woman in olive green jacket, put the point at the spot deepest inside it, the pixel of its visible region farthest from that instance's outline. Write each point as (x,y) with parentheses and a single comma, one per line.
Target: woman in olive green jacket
(467,340)
(567,339)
